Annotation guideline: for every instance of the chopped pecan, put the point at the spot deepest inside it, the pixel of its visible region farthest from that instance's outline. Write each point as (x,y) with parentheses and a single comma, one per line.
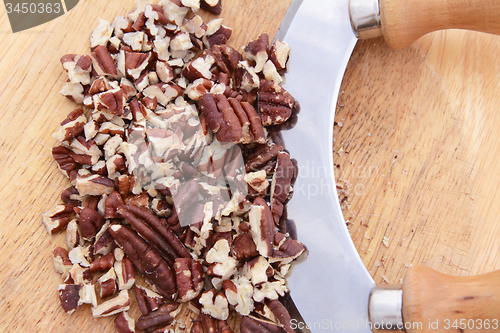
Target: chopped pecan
(124,323)
(90,223)
(69,295)
(103,61)
(214,303)
(125,273)
(258,181)
(239,293)
(262,226)
(244,247)
(245,77)
(113,201)
(107,283)
(72,126)
(190,278)
(136,62)
(58,218)
(220,36)
(93,184)
(279,53)
(60,258)
(222,264)
(164,315)
(257,51)
(155,231)
(212,6)
(199,68)
(73,234)
(115,305)
(104,243)
(147,300)
(164,71)
(275,104)
(163,92)
(104,263)
(101,34)
(281,184)
(146,259)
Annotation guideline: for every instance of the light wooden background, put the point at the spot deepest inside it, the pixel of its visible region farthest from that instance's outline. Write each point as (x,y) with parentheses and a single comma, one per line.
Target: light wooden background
(417,149)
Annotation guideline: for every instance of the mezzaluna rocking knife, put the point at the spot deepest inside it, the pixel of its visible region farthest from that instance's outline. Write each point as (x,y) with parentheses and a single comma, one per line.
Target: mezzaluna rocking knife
(337,293)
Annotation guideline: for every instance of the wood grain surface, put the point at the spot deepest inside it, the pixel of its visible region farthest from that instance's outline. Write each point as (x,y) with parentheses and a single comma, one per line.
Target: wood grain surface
(417,153)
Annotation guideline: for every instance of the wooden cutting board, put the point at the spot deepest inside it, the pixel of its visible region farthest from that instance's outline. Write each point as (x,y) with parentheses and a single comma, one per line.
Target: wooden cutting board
(416,147)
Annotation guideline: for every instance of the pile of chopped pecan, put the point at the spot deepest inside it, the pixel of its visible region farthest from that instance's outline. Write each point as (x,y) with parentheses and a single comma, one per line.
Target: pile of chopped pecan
(178,174)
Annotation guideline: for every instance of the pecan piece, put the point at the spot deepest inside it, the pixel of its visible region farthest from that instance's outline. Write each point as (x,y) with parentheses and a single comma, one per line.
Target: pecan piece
(239,292)
(124,323)
(219,37)
(104,263)
(146,259)
(262,226)
(113,201)
(72,126)
(118,304)
(103,61)
(125,273)
(190,278)
(147,300)
(257,51)
(69,295)
(71,196)
(163,316)
(93,184)
(214,303)
(281,184)
(60,259)
(199,68)
(212,6)
(275,104)
(58,218)
(107,283)
(244,247)
(279,53)
(136,62)
(90,223)
(155,231)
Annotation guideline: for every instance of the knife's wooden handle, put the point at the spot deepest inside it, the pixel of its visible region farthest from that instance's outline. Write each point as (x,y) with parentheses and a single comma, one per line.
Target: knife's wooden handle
(404,21)
(435,302)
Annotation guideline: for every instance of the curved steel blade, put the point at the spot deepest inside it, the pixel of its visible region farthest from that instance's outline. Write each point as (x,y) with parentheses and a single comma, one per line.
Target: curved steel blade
(331,287)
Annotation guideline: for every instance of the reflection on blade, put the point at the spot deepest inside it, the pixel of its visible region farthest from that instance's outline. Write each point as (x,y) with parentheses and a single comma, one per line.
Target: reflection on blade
(331,287)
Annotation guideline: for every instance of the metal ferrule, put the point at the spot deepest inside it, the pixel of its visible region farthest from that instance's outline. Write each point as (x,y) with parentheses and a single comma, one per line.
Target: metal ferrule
(385,308)
(365,18)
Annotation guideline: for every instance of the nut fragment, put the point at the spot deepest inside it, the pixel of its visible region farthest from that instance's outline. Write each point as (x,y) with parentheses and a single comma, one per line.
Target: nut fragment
(190,278)
(57,219)
(147,299)
(124,323)
(281,184)
(164,315)
(262,226)
(215,304)
(115,305)
(69,295)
